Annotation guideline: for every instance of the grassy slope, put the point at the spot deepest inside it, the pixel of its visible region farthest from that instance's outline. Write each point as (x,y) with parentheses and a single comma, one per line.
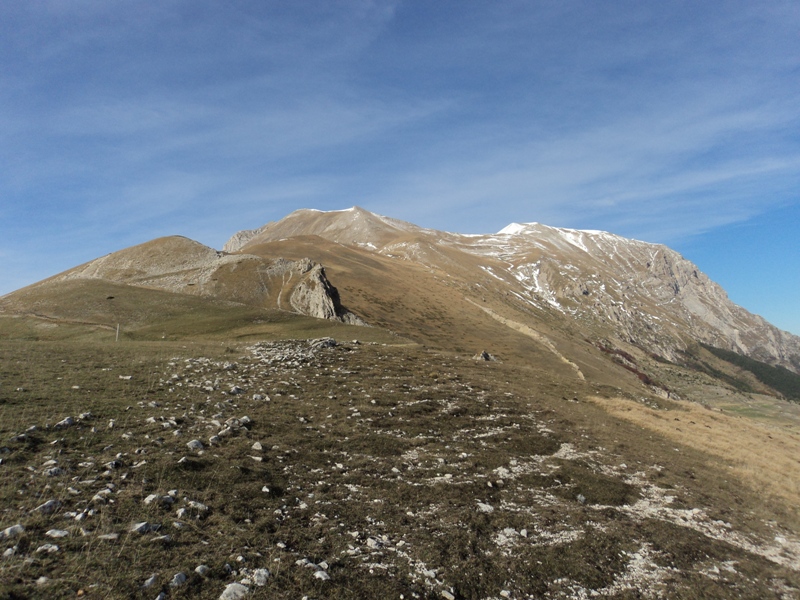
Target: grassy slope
(91,309)
(377,460)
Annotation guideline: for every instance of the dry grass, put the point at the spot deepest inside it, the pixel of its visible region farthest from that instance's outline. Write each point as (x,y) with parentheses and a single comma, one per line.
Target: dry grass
(378,462)
(764,456)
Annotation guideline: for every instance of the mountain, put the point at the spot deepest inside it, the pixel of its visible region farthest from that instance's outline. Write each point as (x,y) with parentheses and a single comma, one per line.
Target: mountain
(572,301)
(344,405)
(593,282)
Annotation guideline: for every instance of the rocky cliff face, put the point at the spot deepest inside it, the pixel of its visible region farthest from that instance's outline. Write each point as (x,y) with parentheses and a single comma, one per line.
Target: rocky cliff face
(315,296)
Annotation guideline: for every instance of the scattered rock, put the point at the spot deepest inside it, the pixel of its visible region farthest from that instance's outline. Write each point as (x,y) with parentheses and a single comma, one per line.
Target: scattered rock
(177,580)
(165,501)
(57,533)
(260,577)
(145,527)
(11,532)
(234,591)
(322,575)
(48,507)
(68,422)
(195,445)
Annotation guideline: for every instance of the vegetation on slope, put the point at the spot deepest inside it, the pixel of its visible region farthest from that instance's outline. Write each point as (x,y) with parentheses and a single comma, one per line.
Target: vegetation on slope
(778,378)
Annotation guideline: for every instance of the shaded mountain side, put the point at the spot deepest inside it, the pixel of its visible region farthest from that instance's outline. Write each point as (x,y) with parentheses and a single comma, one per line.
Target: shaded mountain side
(778,378)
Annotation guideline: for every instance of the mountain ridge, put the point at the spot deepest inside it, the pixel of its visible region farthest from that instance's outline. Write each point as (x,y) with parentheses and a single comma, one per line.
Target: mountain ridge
(575,287)
(631,282)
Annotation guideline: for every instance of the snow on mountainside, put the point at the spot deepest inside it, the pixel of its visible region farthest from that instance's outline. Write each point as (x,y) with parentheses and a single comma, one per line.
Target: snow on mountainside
(650,293)
(641,293)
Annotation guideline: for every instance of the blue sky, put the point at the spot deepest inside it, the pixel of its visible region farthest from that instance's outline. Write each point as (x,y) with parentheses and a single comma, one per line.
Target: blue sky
(672,122)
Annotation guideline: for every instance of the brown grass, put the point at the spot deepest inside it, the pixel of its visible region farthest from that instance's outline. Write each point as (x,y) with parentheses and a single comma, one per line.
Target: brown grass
(764,456)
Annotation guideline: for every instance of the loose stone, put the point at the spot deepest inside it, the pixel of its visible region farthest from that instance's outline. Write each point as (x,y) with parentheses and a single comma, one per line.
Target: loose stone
(57,533)
(48,507)
(11,532)
(234,591)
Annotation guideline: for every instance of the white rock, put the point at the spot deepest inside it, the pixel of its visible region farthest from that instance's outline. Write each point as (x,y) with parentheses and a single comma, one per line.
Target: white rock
(108,537)
(485,508)
(69,421)
(48,507)
(257,447)
(234,591)
(177,580)
(144,527)
(57,533)
(447,595)
(49,548)
(202,570)
(150,582)
(322,575)
(195,445)
(260,577)
(42,580)
(197,506)
(10,532)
